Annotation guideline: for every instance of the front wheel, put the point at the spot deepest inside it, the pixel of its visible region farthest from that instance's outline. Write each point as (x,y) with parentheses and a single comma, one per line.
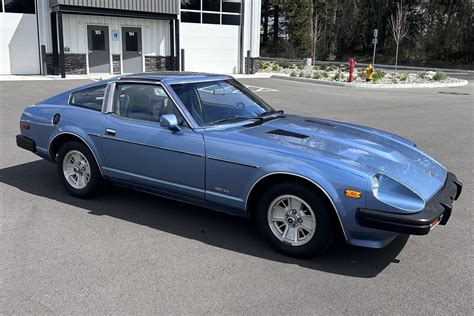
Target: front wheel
(295,220)
(78,171)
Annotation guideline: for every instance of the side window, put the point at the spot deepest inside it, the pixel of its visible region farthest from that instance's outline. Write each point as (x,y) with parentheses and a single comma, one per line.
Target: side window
(144,102)
(91,98)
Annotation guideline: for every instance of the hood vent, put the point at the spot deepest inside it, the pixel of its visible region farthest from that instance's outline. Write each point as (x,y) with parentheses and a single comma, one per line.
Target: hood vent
(287,133)
(320,123)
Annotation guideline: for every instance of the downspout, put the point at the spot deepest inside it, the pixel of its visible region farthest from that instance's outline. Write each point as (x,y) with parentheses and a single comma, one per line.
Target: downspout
(241,43)
(39,41)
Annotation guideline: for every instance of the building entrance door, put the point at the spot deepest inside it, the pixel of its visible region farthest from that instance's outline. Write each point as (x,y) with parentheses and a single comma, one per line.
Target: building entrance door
(99,56)
(132,49)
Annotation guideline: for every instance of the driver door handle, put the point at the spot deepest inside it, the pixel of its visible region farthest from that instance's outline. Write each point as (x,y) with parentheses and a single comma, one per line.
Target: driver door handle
(110,131)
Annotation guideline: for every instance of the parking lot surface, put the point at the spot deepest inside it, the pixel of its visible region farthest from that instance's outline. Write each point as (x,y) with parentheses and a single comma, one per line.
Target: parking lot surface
(129,252)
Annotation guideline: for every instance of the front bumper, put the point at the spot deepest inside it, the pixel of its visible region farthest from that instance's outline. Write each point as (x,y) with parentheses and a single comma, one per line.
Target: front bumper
(437,211)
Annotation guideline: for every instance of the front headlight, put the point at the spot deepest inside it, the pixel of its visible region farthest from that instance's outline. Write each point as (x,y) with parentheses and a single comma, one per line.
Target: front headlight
(375,186)
(393,193)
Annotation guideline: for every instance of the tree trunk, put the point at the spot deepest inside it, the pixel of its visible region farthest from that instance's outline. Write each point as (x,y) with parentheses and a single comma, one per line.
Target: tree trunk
(265,21)
(396,58)
(276,24)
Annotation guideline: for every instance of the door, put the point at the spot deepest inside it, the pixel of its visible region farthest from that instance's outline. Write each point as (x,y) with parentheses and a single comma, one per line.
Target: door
(139,151)
(132,49)
(99,56)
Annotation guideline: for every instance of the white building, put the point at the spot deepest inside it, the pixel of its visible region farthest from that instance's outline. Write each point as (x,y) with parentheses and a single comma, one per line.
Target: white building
(127,36)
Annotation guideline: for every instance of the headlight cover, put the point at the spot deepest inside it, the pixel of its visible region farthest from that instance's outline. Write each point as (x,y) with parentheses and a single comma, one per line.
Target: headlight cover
(393,193)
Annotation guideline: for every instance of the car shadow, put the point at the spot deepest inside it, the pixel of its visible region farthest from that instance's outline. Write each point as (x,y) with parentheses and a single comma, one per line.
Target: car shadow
(213,228)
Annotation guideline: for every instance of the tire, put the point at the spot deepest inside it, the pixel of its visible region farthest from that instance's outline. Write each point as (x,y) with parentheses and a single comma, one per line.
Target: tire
(80,162)
(275,215)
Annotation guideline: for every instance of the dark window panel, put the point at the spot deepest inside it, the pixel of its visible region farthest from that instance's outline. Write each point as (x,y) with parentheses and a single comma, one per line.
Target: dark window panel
(211,18)
(131,41)
(98,39)
(1,5)
(231,6)
(20,6)
(231,19)
(191,4)
(192,17)
(90,98)
(211,5)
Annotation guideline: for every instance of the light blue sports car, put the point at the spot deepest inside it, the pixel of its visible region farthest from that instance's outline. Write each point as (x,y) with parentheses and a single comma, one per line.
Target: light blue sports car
(207,140)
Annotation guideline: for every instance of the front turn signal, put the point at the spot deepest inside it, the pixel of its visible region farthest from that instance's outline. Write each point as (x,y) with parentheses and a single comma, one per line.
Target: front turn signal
(352,194)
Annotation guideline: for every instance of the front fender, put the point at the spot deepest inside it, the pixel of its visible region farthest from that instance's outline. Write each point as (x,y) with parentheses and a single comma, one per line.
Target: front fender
(332,181)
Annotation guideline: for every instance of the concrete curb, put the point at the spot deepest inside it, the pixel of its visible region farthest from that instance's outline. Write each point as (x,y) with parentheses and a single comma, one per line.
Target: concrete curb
(373,86)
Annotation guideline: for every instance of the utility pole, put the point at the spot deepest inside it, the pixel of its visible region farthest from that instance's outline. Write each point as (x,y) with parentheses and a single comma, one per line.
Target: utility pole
(374,41)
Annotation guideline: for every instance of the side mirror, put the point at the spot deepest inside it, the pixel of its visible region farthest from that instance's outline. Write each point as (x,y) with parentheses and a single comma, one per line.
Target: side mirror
(170,121)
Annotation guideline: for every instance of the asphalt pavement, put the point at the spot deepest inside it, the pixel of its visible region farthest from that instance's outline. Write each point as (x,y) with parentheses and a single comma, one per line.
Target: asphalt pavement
(127,252)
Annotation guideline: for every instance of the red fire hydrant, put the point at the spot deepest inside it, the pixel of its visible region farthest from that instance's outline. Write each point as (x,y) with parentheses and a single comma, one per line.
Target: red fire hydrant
(351,68)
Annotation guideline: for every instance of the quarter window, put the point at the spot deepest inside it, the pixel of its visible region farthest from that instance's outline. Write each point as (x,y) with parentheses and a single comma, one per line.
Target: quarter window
(90,98)
(144,102)
(20,6)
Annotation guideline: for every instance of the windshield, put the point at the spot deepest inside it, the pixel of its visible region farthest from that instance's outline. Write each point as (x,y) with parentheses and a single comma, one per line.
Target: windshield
(220,102)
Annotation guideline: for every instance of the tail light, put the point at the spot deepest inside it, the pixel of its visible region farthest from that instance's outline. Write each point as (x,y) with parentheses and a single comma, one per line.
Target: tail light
(25,125)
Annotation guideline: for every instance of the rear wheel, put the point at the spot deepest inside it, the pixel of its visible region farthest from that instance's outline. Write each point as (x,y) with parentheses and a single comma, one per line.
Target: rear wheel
(295,220)
(78,170)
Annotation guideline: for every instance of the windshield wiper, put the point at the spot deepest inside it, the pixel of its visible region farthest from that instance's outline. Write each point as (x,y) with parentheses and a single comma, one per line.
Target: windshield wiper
(236,119)
(270,113)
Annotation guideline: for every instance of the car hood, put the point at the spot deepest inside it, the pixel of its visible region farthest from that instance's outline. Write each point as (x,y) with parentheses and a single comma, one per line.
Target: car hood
(365,150)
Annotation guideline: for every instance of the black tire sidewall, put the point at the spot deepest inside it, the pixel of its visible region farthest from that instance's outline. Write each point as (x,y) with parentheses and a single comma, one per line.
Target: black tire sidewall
(324,233)
(95,181)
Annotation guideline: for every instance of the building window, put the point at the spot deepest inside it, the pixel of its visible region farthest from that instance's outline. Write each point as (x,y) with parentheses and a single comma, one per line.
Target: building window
(20,6)
(192,17)
(231,6)
(191,4)
(1,5)
(211,5)
(131,42)
(98,39)
(228,19)
(211,11)
(211,18)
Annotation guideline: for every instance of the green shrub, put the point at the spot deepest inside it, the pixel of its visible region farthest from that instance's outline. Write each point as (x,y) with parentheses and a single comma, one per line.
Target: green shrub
(300,66)
(336,77)
(440,76)
(403,77)
(263,64)
(275,67)
(307,75)
(284,63)
(301,74)
(294,73)
(324,74)
(421,74)
(316,75)
(377,76)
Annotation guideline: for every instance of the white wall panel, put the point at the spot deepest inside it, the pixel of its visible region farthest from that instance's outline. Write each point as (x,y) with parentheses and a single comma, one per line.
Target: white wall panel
(210,48)
(155,33)
(18,44)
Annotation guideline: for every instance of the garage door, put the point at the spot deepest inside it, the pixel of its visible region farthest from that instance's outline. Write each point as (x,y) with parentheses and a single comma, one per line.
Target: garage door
(210,48)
